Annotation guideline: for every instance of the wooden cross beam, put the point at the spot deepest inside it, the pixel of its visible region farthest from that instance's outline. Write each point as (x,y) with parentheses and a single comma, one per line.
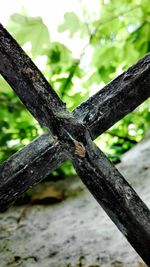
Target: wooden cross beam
(70,136)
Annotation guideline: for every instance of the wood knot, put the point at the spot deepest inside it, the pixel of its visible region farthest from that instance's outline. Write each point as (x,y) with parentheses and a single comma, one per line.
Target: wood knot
(79,149)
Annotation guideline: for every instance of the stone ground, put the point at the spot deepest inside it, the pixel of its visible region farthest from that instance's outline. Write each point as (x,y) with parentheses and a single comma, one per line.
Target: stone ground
(75,232)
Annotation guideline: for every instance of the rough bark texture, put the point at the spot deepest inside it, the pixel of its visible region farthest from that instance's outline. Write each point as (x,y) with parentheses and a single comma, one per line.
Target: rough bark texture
(72,138)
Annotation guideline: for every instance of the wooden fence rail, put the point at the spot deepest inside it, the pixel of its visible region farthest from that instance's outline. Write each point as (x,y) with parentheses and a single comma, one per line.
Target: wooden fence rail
(70,136)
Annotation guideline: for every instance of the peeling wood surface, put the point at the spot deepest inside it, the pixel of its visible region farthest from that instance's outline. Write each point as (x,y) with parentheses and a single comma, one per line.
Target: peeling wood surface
(72,132)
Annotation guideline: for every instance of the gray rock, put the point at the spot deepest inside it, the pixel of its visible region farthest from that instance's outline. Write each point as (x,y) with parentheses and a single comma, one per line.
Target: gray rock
(76,232)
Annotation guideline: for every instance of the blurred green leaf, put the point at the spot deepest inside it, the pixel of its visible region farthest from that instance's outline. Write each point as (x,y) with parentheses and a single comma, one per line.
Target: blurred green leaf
(73,24)
(27,29)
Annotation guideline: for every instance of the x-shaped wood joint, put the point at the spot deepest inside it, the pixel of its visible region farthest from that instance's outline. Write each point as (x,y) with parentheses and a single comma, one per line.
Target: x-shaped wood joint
(70,136)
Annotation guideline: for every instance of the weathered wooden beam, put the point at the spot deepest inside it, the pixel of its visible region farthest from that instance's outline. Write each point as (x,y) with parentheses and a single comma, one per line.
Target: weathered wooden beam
(27,167)
(100,105)
(116,99)
(111,190)
(27,80)
(99,112)
(114,194)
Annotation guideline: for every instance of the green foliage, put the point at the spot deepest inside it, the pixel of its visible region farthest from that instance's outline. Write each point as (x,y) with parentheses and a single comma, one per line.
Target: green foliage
(33,30)
(62,70)
(17,125)
(126,133)
(112,41)
(74,23)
